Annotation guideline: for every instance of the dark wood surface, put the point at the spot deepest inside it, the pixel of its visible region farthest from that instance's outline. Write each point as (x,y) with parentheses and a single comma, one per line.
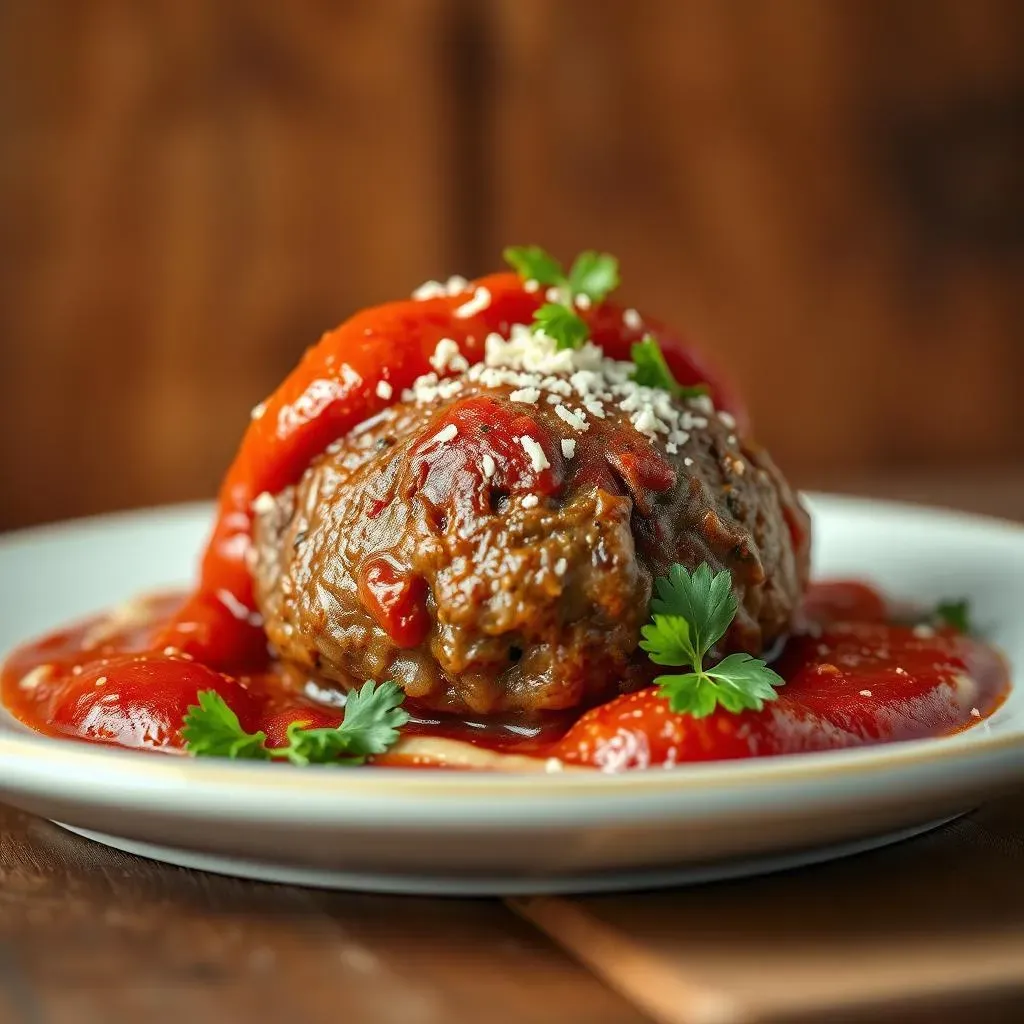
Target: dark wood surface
(830,196)
(928,930)
(93,936)
(89,934)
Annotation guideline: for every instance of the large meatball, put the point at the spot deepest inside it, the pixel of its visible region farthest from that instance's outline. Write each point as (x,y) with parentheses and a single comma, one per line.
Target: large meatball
(493,548)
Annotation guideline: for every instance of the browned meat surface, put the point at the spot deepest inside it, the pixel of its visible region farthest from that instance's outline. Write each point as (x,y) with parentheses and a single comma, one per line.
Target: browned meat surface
(434,547)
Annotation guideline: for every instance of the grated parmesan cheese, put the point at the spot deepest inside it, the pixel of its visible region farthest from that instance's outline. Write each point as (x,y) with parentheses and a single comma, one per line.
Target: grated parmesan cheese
(488,465)
(429,290)
(384,390)
(448,357)
(574,419)
(480,301)
(535,370)
(527,396)
(568,447)
(264,503)
(538,459)
(444,435)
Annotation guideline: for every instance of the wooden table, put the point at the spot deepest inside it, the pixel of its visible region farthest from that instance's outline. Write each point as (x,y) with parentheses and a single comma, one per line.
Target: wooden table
(929,930)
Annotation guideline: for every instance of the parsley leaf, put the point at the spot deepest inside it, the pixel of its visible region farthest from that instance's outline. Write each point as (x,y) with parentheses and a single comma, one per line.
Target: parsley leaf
(705,602)
(560,323)
(212,730)
(652,371)
(372,720)
(532,263)
(689,616)
(594,274)
(955,614)
(373,716)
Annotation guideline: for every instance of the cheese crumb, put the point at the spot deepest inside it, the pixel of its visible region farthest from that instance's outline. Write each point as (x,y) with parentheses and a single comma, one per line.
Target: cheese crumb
(258,411)
(264,503)
(560,567)
(975,713)
(532,448)
(574,419)
(530,501)
(448,357)
(582,301)
(488,465)
(632,319)
(568,447)
(429,290)
(444,435)
(384,390)
(480,301)
(865,693)
(531,285)
(526,396)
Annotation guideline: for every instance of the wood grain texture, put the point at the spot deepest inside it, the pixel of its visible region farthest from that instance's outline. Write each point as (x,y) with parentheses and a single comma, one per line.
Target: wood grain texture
(828,195)
(93,936)
(190,193)
(931,929)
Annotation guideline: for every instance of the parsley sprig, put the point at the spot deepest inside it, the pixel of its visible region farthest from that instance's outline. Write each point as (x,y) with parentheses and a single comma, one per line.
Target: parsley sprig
(689,616)
(593,275)
(653,372)
(563,325)
(955,614)
(373,716)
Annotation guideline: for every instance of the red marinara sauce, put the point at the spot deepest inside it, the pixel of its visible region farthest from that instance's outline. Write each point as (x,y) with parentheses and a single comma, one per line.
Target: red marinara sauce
(128,679)
(852,678)
(334,389)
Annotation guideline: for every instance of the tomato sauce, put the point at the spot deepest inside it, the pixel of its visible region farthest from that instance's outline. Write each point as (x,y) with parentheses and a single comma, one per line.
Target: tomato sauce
(128,678)
(852,678)
(334,389)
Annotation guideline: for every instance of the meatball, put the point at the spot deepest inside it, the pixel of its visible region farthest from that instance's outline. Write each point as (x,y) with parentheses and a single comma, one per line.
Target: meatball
(493,549)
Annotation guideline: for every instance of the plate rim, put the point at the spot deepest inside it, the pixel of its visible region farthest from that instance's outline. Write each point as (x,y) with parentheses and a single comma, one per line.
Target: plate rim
(24,754)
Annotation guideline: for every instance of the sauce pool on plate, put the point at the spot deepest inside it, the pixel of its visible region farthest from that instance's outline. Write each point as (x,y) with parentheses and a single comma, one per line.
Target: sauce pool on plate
(853,677)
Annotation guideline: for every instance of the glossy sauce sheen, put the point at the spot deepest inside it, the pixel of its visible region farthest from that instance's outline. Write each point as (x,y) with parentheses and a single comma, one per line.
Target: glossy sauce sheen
(129,678)
(852,678)
(333,390)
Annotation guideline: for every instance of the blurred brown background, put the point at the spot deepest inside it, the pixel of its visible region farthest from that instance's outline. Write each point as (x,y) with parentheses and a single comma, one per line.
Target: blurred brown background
(830,195)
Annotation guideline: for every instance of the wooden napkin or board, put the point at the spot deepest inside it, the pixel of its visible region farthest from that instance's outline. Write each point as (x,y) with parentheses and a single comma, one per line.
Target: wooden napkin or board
(929,930)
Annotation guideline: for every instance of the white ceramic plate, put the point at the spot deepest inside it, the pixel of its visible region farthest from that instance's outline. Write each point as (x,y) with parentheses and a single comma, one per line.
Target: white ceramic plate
(466,833)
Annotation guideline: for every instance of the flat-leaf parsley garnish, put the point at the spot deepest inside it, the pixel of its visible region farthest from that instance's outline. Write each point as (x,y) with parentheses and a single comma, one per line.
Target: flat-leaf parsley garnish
(652,371)
(373,716)
(955,614)
(592,278)
(532,263)
(689,616)
(594,274)
(561,324)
